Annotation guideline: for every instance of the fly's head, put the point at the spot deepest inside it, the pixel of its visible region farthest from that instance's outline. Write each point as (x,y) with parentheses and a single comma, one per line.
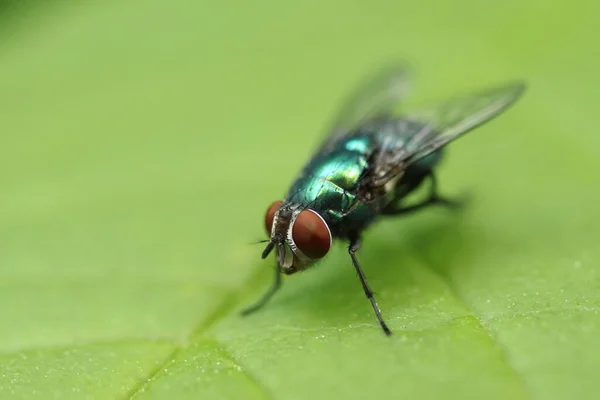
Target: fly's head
(300,236)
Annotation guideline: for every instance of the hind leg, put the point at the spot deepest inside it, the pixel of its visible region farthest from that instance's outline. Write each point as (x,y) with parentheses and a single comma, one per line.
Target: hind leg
(433,199)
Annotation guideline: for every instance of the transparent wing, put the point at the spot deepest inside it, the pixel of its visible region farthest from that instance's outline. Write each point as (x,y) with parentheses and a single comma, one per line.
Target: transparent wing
(446,121)
(425,130)
(376,96)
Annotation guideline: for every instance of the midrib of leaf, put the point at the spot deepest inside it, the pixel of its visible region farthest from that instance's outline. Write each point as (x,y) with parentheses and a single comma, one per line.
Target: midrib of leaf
(502,351)
(221,310)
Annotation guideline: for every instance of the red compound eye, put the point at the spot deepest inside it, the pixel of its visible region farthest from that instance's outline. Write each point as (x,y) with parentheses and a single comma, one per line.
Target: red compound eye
(270,215)
(311,234)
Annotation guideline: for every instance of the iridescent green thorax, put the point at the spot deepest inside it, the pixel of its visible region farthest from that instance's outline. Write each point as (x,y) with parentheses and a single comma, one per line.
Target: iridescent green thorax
(328,181)
(325,185)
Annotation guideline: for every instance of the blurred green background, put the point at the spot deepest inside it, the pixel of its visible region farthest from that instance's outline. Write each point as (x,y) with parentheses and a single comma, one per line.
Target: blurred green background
(141,142)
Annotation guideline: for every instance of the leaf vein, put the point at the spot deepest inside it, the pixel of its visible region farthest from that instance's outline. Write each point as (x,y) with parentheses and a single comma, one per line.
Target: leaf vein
(229,301)
(504,355)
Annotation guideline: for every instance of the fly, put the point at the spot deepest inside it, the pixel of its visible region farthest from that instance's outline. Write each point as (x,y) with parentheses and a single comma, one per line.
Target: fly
(372,157)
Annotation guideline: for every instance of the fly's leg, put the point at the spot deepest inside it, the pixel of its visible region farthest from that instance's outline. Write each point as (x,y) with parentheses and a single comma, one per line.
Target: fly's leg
(433,199)
(352,249)
(268,294)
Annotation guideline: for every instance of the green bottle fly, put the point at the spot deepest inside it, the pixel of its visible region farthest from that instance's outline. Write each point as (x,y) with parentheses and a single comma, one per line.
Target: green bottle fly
(371,159)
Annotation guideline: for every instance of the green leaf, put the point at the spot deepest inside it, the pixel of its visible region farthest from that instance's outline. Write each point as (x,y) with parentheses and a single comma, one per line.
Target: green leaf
(142,142)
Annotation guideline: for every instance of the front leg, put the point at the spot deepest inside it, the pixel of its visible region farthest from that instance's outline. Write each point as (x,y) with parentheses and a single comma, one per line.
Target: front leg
(267,295)
(355,243)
